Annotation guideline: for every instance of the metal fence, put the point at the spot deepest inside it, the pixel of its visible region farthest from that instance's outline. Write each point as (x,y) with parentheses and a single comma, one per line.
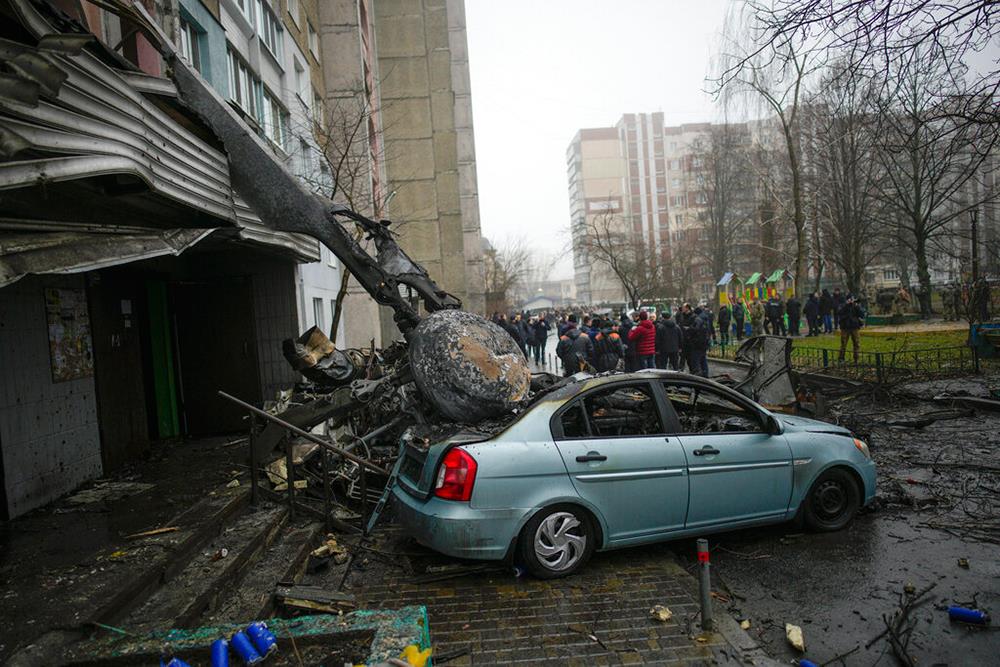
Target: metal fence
(881,367)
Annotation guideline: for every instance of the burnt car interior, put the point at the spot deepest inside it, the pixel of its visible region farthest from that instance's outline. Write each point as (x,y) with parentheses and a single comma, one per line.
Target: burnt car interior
(704,411)
(613,412)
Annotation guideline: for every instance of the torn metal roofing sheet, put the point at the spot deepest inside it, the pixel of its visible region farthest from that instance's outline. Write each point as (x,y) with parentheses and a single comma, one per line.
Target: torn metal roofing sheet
(23,253)
(93,120)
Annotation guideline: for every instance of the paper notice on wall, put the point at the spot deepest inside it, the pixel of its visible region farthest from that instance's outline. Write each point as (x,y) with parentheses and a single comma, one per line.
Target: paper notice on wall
(70,345)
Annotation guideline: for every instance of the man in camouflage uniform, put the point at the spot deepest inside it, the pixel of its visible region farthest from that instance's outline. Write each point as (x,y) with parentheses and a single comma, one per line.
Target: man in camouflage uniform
(948,302)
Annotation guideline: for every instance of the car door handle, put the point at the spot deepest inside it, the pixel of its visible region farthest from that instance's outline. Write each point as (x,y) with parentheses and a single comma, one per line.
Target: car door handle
(705,451)
(591,457)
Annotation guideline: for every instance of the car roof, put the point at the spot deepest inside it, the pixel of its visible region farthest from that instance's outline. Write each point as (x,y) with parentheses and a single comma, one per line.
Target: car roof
(581,382)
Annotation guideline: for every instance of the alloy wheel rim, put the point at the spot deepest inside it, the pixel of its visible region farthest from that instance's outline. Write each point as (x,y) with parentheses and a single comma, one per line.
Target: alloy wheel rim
(560,541)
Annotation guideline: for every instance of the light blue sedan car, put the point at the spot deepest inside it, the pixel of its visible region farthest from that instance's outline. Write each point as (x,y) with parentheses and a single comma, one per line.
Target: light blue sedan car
(613,461)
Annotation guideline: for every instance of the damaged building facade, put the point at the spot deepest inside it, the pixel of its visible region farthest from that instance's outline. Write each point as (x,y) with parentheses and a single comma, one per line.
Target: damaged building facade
(135,282)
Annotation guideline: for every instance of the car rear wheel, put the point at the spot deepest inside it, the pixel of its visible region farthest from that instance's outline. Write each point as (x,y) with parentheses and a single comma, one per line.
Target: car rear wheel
(557,541)
(833,501)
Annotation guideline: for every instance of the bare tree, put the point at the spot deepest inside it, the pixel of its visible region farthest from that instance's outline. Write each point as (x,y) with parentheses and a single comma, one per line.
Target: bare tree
(775,73)
(636,262)
(725,178)
(504,269)
(930,159)
(872,31)
(842,151)
(347,135)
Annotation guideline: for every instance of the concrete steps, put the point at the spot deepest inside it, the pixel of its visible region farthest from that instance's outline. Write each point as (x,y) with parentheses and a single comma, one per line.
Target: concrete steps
(285,561)
(208,576)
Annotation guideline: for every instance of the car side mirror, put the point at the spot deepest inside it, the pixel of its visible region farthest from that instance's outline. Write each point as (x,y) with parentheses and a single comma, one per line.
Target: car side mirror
(774,426)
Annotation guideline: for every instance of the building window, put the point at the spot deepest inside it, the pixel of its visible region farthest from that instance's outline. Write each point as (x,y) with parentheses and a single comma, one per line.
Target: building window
(269,28)
(273,120)
(701,198)
(678,219)
(305,158)
(313,40)
(244,86)
(890,274)
(293,10)
(675,165)
(678,200)
(190,50)
(318,312)
(675,182)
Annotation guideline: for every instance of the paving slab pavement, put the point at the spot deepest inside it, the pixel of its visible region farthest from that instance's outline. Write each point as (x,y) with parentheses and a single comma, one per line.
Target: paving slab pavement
(600,616)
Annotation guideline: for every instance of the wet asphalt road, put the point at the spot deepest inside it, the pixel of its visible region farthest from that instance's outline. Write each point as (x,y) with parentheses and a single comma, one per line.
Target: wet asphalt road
(837,586)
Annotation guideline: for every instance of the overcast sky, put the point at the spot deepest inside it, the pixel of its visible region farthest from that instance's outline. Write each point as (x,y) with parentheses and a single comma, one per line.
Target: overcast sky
(542,69)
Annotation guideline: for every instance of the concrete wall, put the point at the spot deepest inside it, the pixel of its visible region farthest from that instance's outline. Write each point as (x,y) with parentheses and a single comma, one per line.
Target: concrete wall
(429,148)
(49,437)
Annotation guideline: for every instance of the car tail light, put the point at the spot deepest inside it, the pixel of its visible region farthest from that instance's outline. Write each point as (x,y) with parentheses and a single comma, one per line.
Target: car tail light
(456,476)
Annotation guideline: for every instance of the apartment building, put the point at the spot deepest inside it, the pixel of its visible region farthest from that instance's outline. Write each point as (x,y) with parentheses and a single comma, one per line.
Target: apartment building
(657,180)
(597,173)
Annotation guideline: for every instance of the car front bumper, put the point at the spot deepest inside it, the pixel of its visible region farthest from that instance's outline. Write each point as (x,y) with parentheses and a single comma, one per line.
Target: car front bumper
(867,471)
(455,528)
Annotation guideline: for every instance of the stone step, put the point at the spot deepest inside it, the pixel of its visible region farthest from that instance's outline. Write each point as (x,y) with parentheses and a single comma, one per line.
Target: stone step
(110,594)
(285,561)
(209,576)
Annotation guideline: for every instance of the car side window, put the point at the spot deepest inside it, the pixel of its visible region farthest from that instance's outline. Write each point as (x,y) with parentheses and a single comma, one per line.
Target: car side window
(702,410)
(619,412)
(574,423)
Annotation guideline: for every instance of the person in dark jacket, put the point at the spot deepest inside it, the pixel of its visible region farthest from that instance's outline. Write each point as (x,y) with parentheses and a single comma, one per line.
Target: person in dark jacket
(540,332)
(826,310)
(575,349)
(739,317)
(509,327)
(851,320)
(631,359)
(697,338)
(811,310)
(669,341)
(775,311)
(525,332)
(685,318)
(643,338)
(794,309)
(724,318)
(608,348)
(838,302)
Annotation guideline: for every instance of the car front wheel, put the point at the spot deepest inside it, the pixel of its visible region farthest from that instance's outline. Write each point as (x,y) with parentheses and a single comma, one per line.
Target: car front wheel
(832,501)
(557,541)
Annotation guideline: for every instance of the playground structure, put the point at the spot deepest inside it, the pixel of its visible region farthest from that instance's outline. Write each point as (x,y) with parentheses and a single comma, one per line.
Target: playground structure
(757,286)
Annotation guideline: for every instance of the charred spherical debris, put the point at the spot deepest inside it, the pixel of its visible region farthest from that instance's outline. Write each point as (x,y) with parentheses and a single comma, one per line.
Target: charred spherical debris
(468,367)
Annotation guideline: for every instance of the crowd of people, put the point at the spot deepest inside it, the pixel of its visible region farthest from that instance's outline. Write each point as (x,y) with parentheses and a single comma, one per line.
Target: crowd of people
(627,343)
(679,340)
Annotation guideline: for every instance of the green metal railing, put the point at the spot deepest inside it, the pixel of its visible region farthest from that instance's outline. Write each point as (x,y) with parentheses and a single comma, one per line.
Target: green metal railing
(881,367)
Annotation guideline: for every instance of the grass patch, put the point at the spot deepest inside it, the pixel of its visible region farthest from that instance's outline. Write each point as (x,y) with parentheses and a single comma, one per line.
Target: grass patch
(878,339)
